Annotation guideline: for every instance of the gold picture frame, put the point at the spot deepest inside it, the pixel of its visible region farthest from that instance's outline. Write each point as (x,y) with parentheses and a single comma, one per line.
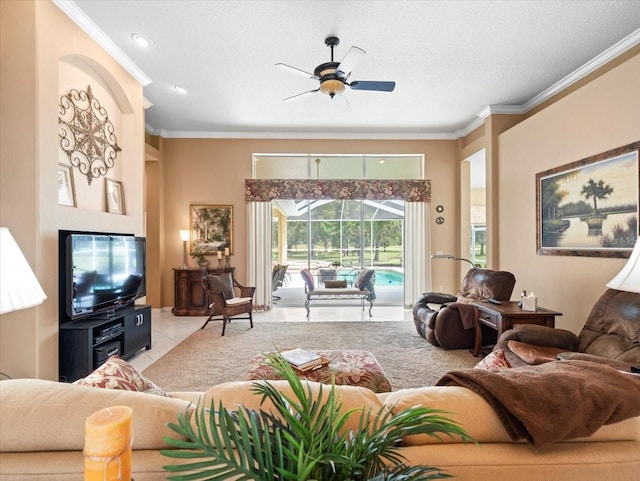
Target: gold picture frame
(211,229)
(115,196)
(66,186)
(590,207)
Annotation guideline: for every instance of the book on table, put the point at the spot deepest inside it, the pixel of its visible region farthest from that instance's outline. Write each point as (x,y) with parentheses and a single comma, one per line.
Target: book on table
(301,359)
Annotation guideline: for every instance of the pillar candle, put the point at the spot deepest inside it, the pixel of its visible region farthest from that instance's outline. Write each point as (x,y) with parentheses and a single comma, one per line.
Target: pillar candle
(219,254)
(107,445)
(226,251)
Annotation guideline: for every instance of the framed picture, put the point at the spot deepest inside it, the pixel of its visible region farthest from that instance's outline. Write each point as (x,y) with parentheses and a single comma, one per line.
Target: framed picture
(211,229)
(590,207)
(115,196)
(66,187)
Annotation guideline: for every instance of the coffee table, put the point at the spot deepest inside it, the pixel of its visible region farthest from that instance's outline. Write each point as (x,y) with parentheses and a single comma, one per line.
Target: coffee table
(348,367)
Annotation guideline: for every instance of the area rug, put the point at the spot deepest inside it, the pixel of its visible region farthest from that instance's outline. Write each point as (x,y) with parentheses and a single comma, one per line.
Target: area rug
(205,358)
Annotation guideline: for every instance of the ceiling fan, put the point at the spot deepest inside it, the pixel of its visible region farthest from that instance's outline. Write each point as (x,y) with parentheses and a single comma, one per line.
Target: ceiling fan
(334,76)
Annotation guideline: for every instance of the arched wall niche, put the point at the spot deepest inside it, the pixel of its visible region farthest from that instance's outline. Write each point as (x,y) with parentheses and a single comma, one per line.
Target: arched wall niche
(79,72)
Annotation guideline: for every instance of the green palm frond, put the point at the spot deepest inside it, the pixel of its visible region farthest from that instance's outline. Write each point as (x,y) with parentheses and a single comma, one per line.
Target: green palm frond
(304,438)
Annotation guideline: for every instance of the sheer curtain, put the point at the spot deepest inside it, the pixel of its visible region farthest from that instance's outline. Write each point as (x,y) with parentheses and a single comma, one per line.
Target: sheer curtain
(259,255)
(417,273)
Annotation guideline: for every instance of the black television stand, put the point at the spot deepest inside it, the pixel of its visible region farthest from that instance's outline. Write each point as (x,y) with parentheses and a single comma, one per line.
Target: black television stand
(87,343)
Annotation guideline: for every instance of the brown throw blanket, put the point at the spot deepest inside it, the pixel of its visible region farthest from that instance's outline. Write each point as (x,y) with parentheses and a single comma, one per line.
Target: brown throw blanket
(554,401)
(468,314)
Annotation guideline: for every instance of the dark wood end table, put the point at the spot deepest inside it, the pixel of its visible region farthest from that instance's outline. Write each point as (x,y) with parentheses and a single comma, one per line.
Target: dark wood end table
(501,317)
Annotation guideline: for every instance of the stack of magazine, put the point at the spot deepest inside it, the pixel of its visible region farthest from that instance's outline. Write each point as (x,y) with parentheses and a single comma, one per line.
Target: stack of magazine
(303,360)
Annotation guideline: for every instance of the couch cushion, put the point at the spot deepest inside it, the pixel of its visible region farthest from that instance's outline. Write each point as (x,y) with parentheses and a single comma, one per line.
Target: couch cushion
(532,354)
(460,404)
(364,278)
(308,279)
(116,373)
(480,420)
(495,359)
(240,393)
(222,283)
(38,415)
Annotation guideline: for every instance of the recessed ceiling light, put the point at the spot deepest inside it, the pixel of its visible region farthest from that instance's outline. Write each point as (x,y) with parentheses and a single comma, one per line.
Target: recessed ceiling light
(381,161)
(141,40)
(180,89)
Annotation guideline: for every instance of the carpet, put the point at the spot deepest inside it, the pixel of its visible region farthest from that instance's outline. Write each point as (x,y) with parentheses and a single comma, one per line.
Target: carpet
(205,358)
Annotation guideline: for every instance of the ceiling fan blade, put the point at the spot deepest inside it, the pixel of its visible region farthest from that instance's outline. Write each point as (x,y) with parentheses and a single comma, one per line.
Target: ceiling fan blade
(372,85)
(298,96)
(341,100)
(296,71)
(350,60)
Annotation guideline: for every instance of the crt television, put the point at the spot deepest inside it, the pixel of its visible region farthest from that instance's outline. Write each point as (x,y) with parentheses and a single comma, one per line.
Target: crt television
(99,273)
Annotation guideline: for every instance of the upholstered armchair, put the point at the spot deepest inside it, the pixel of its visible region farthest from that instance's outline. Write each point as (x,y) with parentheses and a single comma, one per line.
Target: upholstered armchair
(611,335)
(447,321)
(223,303)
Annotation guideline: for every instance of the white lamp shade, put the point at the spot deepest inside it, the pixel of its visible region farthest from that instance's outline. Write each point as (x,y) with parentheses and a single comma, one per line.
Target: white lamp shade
(19,288)
(184,235)
(628,279)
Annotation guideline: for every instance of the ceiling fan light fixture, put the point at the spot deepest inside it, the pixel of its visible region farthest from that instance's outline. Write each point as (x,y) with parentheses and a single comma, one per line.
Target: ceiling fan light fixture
(332,87)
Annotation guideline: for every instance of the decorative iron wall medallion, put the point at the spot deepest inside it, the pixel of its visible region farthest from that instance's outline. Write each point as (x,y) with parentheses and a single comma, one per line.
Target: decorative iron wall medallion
(86,133)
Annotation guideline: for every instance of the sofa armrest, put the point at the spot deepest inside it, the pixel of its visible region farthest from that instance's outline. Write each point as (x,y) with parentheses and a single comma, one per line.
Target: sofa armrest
(437,298)
(582,356)
(539,336)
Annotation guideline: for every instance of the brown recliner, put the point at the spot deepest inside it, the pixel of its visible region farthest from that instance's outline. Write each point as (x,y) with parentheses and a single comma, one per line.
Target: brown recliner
(440,318)
(611,334)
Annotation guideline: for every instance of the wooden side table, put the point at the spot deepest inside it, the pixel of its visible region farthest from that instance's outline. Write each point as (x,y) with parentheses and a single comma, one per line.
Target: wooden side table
(501,317)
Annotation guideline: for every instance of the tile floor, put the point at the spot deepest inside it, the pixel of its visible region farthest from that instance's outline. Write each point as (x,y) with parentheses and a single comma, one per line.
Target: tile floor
(168,330)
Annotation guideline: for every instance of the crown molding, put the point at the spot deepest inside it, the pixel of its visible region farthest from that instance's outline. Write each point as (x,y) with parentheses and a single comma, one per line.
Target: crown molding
(300,135)
(591,66)
(74,12)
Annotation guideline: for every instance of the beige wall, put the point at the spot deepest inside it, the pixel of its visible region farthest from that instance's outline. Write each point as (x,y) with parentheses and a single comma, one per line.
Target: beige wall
(38,43)
(600,116)
(212,171)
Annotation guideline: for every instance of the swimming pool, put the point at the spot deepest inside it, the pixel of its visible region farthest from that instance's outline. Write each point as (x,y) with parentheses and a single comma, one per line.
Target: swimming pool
(384,277)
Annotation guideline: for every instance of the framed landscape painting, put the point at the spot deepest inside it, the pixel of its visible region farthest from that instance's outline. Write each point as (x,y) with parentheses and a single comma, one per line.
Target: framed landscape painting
(590,207)
(211,229)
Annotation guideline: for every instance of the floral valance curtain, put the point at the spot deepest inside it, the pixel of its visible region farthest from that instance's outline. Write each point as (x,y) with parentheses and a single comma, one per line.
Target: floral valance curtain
(266,190)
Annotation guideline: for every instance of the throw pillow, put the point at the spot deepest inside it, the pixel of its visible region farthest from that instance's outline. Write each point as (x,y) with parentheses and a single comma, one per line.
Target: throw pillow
(335,284)
(364,278)
(495,359)
(222,283)
(532,354)
(308,279)
(116,373)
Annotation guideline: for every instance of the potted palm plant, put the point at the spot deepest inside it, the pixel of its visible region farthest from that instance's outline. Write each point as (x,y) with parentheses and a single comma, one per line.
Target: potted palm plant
(303,439)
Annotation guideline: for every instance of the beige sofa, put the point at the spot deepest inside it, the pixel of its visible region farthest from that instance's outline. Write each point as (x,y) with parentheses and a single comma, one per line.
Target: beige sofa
(42,423)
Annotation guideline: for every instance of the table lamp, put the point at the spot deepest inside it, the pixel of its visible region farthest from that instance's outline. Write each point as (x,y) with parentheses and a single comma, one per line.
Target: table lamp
(628,279)
(184,236)
(19,288)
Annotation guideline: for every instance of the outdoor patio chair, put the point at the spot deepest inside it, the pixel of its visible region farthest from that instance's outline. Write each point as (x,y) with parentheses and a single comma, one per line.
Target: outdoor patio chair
(277,278)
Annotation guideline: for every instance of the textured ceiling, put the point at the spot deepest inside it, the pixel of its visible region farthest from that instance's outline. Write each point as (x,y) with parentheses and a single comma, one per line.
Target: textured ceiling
(450,60)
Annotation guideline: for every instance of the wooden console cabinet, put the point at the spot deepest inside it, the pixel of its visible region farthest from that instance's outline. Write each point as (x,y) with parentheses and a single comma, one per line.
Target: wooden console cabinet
(85,344)
(190,298)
